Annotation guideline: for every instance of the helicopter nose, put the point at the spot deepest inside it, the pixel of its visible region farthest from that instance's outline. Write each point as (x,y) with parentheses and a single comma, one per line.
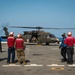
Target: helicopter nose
(57,39)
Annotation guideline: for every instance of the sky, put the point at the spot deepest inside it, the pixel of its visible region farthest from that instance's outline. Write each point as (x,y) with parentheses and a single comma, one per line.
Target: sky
(43,13)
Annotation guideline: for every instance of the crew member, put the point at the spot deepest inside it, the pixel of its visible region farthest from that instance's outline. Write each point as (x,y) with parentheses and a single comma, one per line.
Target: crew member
(69,41)
(11,49)
(0,44)
(63,48)
(20,47)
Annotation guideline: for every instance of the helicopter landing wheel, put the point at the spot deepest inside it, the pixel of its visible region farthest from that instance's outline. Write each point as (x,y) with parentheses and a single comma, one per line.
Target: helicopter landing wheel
(47,43)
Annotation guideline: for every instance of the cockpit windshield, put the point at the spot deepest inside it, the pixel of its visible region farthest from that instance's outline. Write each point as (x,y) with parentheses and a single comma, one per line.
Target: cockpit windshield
(50,36)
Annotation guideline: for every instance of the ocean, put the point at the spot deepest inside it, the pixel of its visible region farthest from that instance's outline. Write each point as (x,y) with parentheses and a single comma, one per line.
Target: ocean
(4,40)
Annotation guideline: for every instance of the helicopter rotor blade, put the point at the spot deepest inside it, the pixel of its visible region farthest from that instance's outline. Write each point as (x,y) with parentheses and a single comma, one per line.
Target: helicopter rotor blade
(38,27)
(7,25)
(1,30)
(61,28)
(27,27)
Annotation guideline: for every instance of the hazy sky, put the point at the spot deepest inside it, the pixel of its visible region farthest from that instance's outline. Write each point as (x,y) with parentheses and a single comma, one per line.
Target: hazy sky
(44,13)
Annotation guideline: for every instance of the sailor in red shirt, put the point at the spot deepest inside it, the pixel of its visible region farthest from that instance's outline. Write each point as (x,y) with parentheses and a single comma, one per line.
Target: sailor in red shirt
(20,47)
(69,41)
(11,49)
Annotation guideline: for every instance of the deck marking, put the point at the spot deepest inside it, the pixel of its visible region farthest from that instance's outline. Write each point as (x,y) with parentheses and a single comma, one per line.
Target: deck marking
(33,65)
(57,68)
(38,45)
(73,65)
(11,65)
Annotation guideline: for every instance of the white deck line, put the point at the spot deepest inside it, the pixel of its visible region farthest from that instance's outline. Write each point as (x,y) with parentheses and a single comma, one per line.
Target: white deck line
(33,65)
(11,65)
(73,65)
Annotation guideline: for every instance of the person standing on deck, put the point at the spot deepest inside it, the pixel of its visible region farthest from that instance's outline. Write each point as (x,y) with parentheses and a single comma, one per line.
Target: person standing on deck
(11,49)
(69,41)
(63,48)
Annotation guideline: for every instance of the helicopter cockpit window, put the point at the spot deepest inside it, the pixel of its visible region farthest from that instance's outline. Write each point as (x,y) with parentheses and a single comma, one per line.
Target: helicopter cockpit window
(52,36)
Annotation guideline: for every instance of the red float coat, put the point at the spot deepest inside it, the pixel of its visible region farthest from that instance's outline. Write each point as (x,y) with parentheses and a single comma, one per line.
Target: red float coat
(19,43)
(10,41)
(69,41)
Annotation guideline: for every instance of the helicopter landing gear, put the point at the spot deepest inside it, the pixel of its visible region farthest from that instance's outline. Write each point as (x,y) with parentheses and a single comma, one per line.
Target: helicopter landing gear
(47,43)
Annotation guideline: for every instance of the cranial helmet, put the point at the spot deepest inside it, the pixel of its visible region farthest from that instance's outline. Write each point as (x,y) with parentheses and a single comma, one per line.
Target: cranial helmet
(69,33)
(64,34)
(19,35)
(11,33)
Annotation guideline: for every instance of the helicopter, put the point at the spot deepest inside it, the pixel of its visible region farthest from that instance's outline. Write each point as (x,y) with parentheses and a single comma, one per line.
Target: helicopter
(35,36)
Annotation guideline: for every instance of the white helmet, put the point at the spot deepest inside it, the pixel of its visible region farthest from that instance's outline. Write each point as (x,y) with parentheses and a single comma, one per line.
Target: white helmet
(69,33)
(19,35)
(11,33)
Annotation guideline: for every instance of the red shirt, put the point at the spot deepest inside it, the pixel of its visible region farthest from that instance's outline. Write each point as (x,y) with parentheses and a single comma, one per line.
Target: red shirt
(10,41)
(19,43)
(69,41)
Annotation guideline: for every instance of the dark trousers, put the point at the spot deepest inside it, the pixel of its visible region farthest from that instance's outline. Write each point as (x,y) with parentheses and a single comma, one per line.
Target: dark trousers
(11,50)
(70,52)
(63,52)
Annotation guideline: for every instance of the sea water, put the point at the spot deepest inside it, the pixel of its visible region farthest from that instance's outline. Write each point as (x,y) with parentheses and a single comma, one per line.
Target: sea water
(4,40)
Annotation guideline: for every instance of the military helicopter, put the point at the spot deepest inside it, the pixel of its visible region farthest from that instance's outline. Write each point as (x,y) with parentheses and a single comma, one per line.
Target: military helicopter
(37,35)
